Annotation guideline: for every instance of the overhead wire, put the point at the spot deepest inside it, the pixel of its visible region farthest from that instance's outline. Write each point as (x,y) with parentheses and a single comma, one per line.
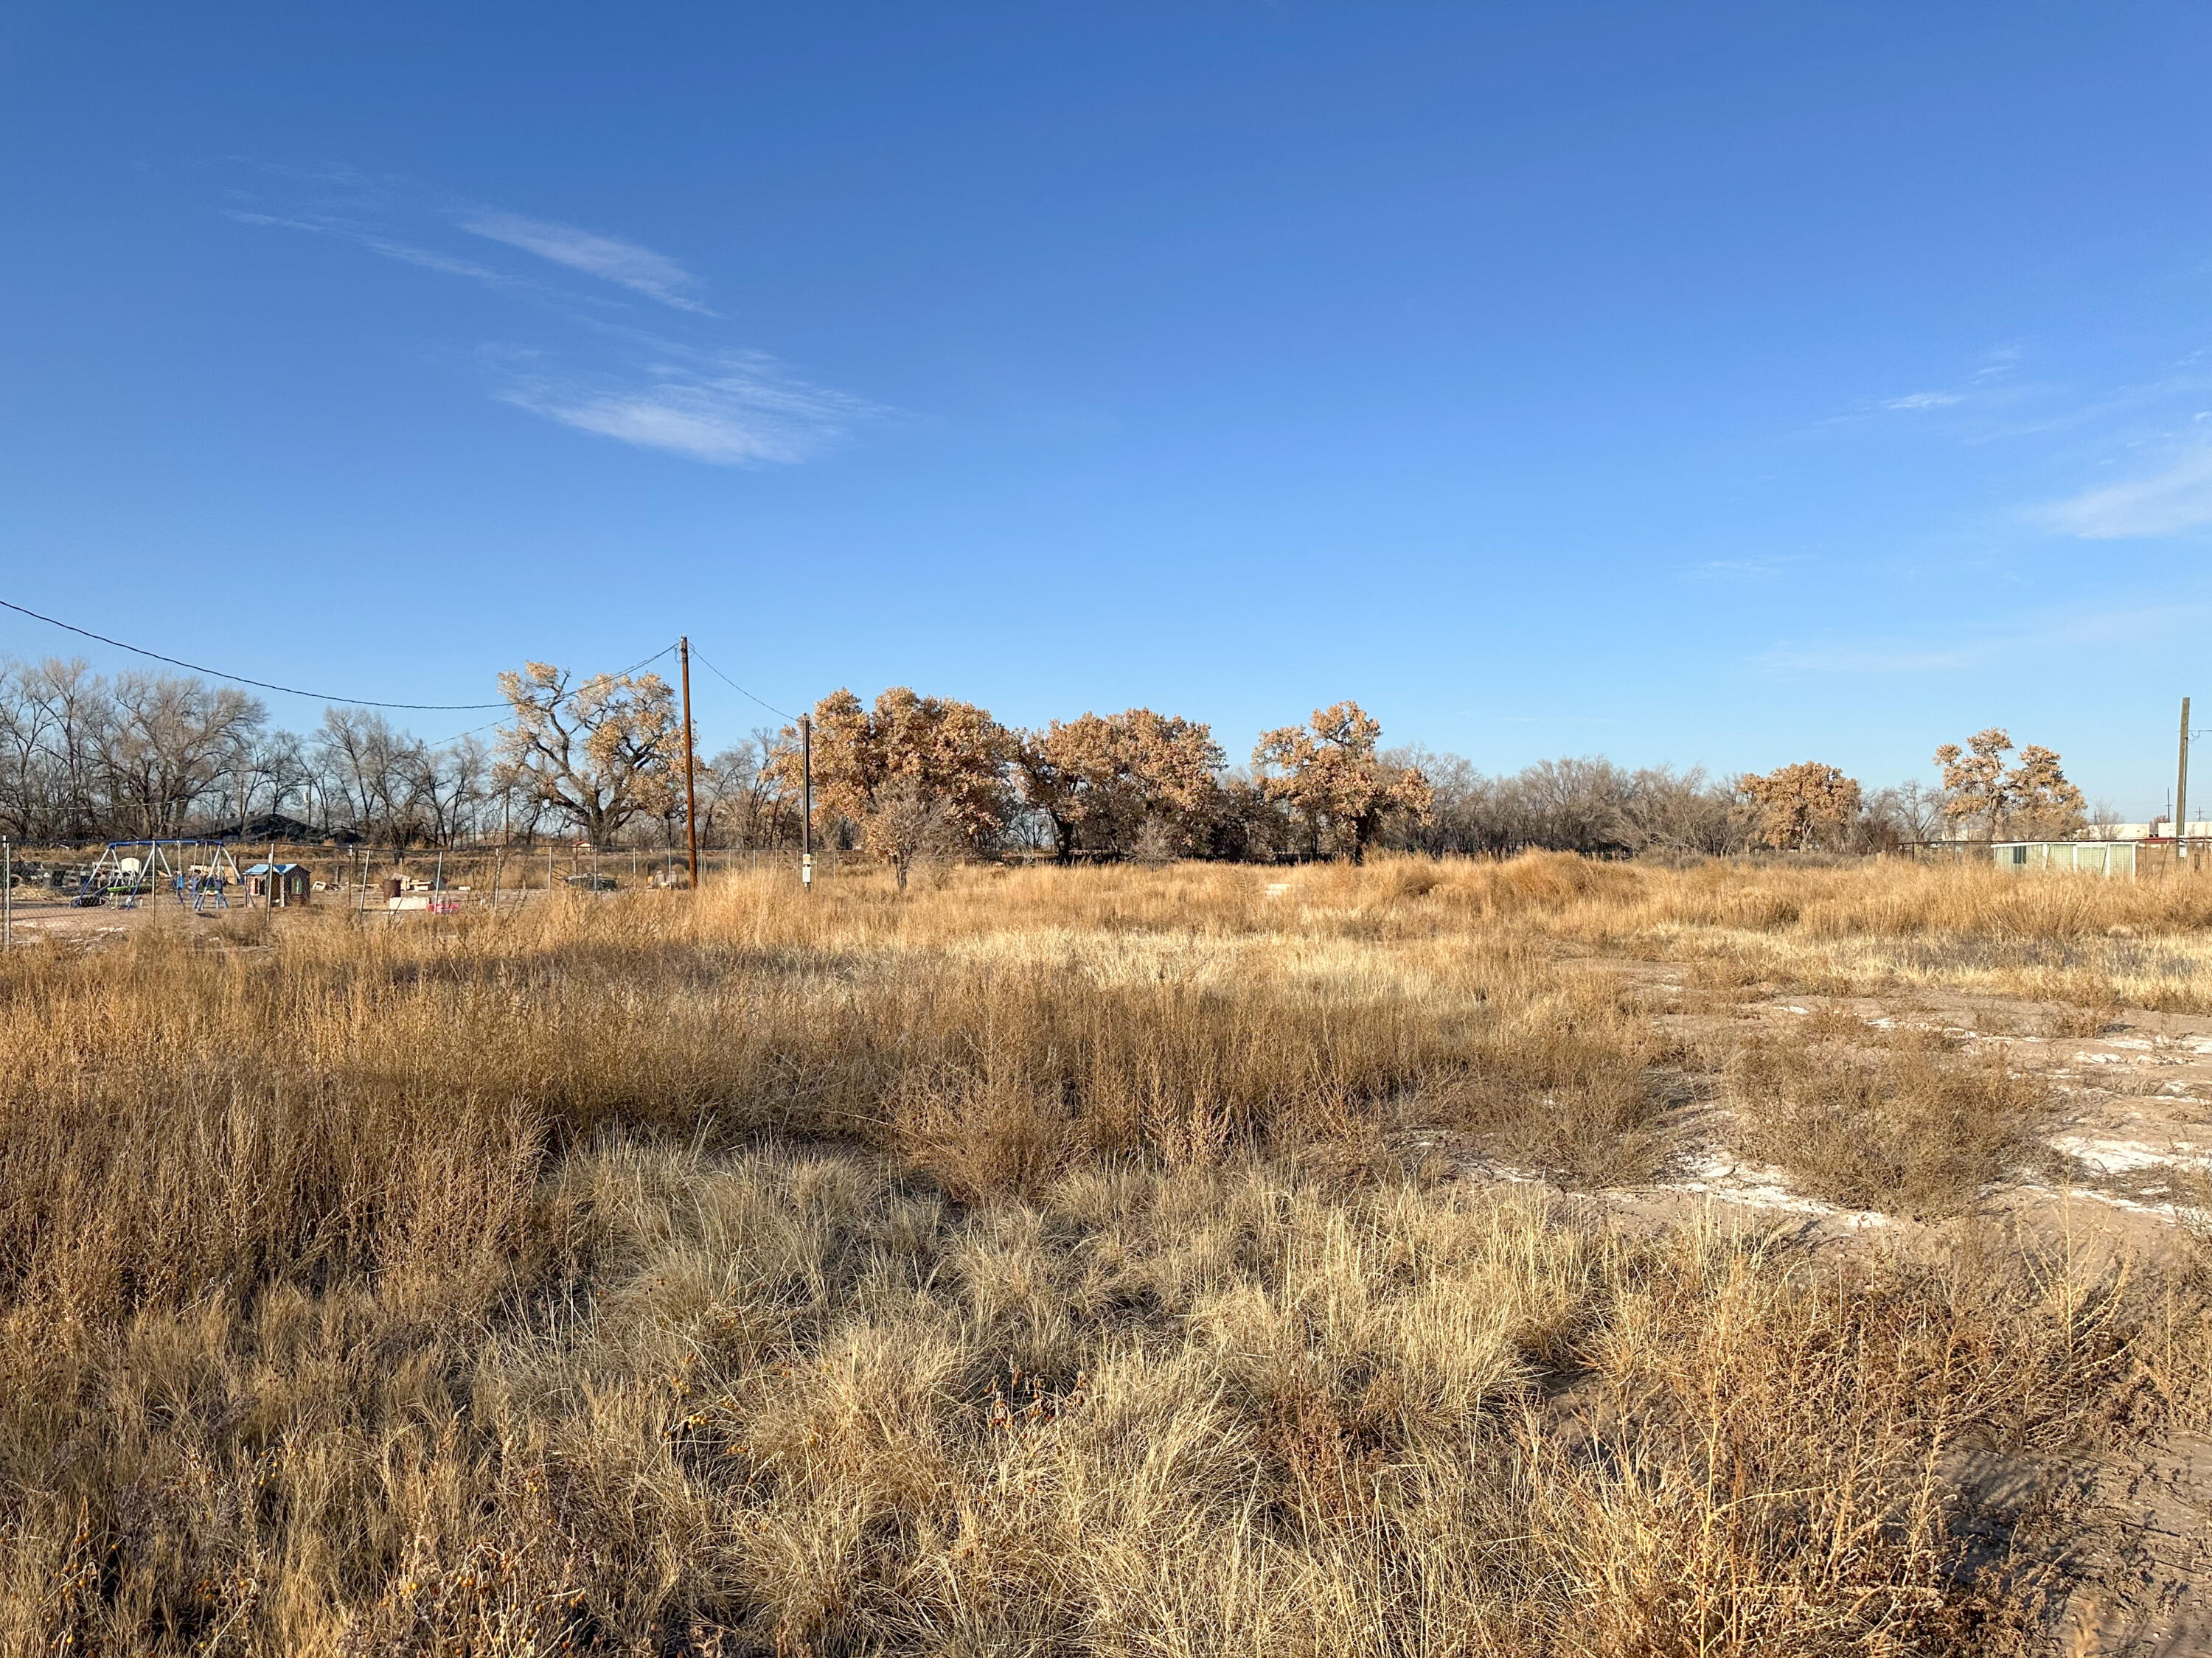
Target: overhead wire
(736,687)
(241,679)
(367,701)
(645,662)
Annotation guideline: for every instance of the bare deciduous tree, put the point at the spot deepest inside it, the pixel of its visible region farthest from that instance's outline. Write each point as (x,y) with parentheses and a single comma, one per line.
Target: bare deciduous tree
(374,772)
(598,752)
(906,824)
(171,742)
(742,799)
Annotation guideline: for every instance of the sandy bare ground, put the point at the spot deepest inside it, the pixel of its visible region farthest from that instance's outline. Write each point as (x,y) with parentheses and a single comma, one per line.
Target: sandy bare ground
(2121,1171)
(2127,1175)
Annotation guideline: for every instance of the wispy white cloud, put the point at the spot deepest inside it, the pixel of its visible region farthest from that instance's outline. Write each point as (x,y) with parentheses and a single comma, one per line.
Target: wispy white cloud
(736,412)
(430,259)
(1980,387)
(1989,641)
(693,395)
(610,259)
(405,252)
(2178,497)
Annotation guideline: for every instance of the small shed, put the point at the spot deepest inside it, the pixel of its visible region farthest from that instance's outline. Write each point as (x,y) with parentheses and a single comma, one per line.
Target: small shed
(279,884)
(2157,858)
(2088,857)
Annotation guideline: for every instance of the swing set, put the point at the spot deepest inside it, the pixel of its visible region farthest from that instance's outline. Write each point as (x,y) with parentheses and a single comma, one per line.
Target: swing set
(197,873)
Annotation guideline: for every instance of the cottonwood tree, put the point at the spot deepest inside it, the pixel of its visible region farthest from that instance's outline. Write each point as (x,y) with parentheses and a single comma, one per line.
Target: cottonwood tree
(742,798)
(2045,806)
(907,754)
(375,770)
(27,772)
(453,783)
(1329,774)
(1574,804)
(170,742)
(2034,798)
(82,715)
(83,758)
(1795,808)
(1115,783)
(1976,780)
(597,752)
(1910,811)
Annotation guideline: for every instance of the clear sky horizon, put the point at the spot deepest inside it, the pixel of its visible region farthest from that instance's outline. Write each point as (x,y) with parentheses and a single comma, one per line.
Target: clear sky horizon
(1720,385)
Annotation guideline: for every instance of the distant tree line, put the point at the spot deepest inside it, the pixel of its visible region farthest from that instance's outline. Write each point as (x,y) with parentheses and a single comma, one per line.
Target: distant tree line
(907,778)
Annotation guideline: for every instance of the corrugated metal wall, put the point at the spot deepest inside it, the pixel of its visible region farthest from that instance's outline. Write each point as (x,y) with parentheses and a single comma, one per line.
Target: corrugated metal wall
(2107,858)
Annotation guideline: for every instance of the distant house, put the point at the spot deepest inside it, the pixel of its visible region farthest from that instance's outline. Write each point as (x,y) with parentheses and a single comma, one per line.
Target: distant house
(275,826)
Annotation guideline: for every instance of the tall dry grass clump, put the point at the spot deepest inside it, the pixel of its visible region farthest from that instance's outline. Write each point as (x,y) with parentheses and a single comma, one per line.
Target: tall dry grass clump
(1894,1122)
(1021,1264)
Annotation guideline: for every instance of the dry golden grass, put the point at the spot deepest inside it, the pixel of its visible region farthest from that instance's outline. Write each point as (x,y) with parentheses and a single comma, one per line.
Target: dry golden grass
(1907,1128)
(1008,1268)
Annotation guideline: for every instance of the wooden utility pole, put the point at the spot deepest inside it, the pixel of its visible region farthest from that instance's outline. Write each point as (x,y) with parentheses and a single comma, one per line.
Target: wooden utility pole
(2181,785)
(805,803)
(690,792)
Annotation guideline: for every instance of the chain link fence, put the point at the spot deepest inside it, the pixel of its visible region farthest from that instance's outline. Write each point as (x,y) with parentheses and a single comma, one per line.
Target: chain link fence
(45,882)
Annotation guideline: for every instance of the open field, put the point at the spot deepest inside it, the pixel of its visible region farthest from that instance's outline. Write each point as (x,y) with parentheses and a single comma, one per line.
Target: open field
(1540,1257)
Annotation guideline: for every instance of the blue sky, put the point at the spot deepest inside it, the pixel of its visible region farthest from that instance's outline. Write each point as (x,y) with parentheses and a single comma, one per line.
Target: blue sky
(1733,384)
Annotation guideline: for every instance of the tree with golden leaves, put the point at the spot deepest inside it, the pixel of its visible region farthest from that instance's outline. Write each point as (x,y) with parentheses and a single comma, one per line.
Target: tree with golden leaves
(911,774)
(599,752)
(2032,800)
(1795,808)
(1976,780)
(1330,776)
(1111,782)
(2045,806)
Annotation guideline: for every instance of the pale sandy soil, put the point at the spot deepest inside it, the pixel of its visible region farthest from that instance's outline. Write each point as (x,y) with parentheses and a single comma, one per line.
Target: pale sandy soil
(2130,1176)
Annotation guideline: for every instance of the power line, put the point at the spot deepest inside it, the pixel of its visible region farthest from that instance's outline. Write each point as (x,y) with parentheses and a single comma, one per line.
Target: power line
(356,702)
(258,684)
(648,661)
(645,662)
(736,687)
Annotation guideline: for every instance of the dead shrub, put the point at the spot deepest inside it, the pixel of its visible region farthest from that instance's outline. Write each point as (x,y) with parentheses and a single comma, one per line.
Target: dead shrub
(1911,1128)
(2090,1017)
(466,1289)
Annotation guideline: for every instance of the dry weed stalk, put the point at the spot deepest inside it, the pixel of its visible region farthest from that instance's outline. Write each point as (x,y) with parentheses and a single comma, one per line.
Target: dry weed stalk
(754,1274)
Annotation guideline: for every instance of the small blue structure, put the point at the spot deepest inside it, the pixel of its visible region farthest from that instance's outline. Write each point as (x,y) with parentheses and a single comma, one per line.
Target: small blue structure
(279,884)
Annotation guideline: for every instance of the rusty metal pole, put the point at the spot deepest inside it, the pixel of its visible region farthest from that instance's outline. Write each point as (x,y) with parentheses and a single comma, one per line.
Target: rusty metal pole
(691,796)
(807,803)
(2181,787)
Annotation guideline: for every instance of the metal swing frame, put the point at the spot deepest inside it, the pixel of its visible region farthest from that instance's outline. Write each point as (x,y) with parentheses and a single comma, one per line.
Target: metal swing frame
(196,873)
